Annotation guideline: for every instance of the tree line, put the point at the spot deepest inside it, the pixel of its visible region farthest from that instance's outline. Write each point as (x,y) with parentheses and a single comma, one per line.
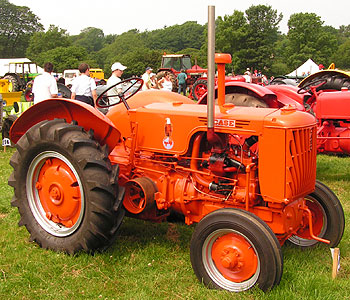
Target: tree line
(252,38)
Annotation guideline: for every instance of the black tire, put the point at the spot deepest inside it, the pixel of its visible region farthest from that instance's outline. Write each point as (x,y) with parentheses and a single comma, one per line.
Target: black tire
(257,256)
(14,81)
(6,126)
(65,188)
(63,91)
(28,94)
(199,88)
(333,82)
(328,215)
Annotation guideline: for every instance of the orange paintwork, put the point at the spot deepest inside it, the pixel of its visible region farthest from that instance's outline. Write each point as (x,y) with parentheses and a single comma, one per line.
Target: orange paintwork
(262,160)
(119,116)
(58,194)
(234,257)
(221,59)
(87,117)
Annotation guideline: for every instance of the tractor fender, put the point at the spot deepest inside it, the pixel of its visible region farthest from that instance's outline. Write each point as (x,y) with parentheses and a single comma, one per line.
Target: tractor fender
(71,110)
(261,92)
(336,79)
(288,95)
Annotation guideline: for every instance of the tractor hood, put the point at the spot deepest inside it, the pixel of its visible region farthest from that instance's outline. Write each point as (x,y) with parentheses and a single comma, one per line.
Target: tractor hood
(173,124)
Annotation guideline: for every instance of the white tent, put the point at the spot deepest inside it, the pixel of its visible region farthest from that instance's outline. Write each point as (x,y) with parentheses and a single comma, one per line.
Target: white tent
(307,68)
(4,65)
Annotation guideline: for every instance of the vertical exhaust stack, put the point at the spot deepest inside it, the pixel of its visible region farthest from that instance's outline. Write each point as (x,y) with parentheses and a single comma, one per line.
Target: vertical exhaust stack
(212,137)
(211,66)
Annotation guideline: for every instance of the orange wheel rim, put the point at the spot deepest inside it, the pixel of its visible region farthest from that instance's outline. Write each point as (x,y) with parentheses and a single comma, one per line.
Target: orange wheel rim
(234,257)
(230,260)
(58,192)
(55,193)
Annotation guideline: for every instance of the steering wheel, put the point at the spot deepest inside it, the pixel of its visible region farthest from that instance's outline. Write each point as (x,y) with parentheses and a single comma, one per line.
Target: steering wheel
(312,86)
(125,89)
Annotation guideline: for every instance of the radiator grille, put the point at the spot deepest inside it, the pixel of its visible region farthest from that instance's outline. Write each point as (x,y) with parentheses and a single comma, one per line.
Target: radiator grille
(300,161)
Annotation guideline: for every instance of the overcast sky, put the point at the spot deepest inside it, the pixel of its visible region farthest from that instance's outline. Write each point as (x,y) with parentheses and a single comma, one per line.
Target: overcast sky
(118,16)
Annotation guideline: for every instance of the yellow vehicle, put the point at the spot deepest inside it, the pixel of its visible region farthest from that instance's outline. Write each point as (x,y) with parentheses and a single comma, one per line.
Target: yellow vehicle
(98,75)
(9,97)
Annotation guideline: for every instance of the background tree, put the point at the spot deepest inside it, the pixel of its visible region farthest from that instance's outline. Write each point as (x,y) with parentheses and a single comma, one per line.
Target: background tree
(231,35)
(262,36)
(127,42)
(91,38)
(17,24)
(43,41)
(175,38)
(341,57)
(66,58)
(308,38)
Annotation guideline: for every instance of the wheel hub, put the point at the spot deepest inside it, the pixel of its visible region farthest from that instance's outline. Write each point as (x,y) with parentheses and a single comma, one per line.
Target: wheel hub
(59,192)
(56,194)
(230,258)
(234,257)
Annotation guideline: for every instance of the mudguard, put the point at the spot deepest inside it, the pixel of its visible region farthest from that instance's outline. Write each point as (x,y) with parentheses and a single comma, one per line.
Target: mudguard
(275,96)
(342,77)
(70,110)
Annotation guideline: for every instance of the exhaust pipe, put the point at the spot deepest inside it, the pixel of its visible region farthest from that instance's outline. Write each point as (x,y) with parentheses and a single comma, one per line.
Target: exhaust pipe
(212,137)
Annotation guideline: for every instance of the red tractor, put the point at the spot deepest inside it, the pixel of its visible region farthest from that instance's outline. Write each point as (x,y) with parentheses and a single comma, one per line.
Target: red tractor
(246,176)
(196,76)
(324,94)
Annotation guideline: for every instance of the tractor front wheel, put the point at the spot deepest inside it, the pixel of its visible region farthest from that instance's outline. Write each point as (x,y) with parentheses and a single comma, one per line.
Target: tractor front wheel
(234,250)
(199,88)
(327,216)
(65,188)
(14,84)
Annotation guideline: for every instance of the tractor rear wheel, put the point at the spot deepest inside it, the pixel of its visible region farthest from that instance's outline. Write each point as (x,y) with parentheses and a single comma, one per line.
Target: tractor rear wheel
(240,99)
(14,84)
(327,215)
(234,250)
(333,82)
(65,188)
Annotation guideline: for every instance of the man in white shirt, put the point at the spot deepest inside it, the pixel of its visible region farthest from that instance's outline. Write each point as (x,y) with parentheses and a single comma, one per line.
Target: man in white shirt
(117,71)
(45,85)
(84,87)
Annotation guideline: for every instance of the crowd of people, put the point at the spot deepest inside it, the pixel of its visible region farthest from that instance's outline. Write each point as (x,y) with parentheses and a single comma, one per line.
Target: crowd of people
(84,87)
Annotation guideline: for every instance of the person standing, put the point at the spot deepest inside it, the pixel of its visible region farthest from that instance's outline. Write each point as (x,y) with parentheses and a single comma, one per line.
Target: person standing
(181,80)
(84,87)
(146,77)
(165,83)
(45,85)
(117,71)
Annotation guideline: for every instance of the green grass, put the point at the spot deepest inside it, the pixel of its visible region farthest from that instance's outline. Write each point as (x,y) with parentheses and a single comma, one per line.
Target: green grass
(151,261)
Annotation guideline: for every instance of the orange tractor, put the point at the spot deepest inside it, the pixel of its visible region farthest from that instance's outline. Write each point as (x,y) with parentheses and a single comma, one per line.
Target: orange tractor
(247,176)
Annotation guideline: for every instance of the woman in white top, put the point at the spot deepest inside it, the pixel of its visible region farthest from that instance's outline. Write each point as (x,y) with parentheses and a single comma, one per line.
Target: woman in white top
(165,83)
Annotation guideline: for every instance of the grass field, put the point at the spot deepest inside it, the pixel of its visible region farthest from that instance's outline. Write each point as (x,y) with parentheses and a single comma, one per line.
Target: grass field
(151,261)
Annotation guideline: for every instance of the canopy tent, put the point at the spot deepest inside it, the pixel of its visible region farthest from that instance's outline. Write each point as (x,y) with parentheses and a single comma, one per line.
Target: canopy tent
(307,68)
(4,65)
